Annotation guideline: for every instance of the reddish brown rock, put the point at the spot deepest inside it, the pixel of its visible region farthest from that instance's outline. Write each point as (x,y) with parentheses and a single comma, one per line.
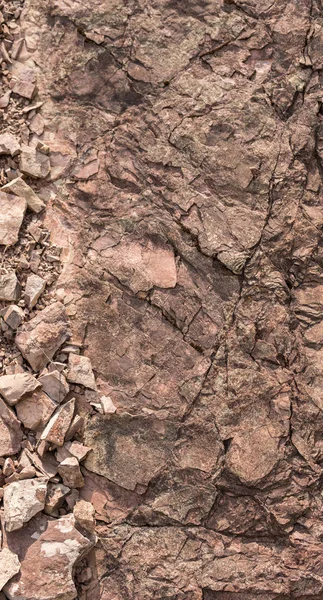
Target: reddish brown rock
(58,425)
(14,387)
(19,187)
(69,470)
(35,410)
(43,335)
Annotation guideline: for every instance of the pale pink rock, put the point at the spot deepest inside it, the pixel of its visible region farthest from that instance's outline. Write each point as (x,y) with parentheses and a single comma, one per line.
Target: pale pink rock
(12,212)
(19,187)
(9,144)
(14,387)
(69,470)
(9,287)
(42,336)
(35,286)
(9,566)
(80,371)
(23,500)
(58,425)
(35,410)
(10,431)
(14,316)
(34,163)
(55,385)
(56,493)
(78,450)
(84,513)
(47,563)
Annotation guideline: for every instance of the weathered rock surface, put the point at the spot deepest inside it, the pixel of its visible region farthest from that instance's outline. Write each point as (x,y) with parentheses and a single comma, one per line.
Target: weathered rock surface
(80,371)
(9,144)
(9,287)
(35,286)
(14,316)
(19,187)
(35,410)
(10,432)
(22,501)
(58,425)
(43,336)
(12,210)
(55,385)
(9,566)
(14,387)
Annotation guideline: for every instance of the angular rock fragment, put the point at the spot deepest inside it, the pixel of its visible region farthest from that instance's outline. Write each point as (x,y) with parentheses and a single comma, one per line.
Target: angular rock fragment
(43,335)
(19,187)
(70,472)
(14,316)
(10,431)
(9,287)
(12,212)
(56,493)
(84,513)
(78,450)
(55,385)
(9,566)
(80,371)
(47,563)
(9,144)
(34,163)
(35,410)
(14,387)
(22,501)
(58,425)
(35,286)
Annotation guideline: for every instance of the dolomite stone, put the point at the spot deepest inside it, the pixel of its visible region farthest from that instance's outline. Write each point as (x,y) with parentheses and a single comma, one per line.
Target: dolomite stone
(80,371)
(9,286)
(10,431)
(33,163)
(14,387)
(55,385)
(35,286)
(35,410)
(9,144)
(84,513)
(41,337)
(22,501)
(69,470)
(56,492)
(59,423)
(14,316)
(9,566)
(19,187)
(78,450)
(12,212)
(47,563)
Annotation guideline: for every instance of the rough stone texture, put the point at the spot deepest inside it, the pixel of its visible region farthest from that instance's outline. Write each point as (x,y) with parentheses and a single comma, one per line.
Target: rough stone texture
(9,287)
(19,187)
(14,387)
(59,423)
(10,432)
(43,335)
(55,385)
(80,371)
(12,210)
(22,501)
(35,410)
(9,566)
(9,144)
(35,286)
(48,550)
(14,316)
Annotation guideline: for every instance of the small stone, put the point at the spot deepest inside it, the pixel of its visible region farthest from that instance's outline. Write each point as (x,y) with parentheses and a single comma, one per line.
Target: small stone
(80,371)
(107,405)
(26,89)
(9,566)
(14,316)
(70,473)
(9,287)
(5,99)
(10,431)
(35,410)
(56,493)
(78,450)
(14,387)
(8,467)
(12,212)
(55,385)
(42,336)
(9,144)
(34,163)
(19,187)
(22,501)
(75,426)
(58,425)
(35,286)
(84,513)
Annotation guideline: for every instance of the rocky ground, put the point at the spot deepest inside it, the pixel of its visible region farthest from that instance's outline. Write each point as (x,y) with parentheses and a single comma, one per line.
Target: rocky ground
(161,300)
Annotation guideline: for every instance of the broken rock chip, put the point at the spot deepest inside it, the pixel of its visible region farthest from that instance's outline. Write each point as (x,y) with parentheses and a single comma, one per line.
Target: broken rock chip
(22,501)
(43,335)
(55,385)
(9,144)
(14,387)
(35,286)
(47,564)
(78,450)
(70,472)
(9,566)
(19,187)
(12,212)
(34,163)
(56,493)
(84,513)
(10,431)
(9,287)
(14,316)
(80,371)
(35,410)
(58,425)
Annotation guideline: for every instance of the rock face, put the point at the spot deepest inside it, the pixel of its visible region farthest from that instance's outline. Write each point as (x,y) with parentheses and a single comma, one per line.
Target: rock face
(43,335)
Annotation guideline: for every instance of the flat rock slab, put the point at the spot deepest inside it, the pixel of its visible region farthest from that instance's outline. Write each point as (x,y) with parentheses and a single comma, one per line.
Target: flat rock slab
(14,387)
(49,549)
(43,335)
(9,566)
(35,410)
(19,187)
(9,144)
(12,212)
(22,501)
(55,385)
(10,431)
(33,163)
(80,371)
(9,287)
